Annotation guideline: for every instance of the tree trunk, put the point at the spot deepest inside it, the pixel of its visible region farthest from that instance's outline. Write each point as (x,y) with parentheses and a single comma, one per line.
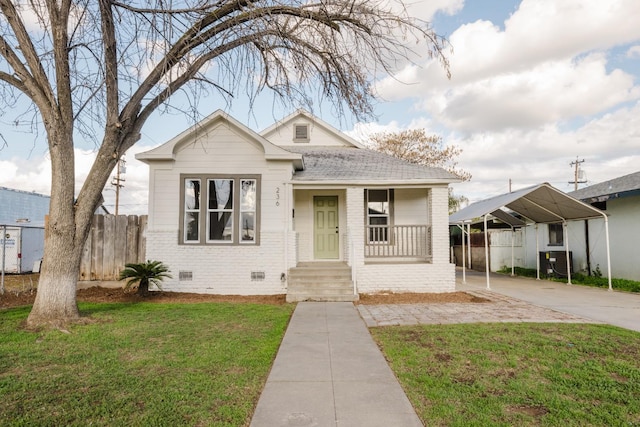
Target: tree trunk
(143,287)
(55,303)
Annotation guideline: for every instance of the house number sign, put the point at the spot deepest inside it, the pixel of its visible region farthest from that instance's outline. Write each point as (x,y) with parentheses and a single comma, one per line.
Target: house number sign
(277,196)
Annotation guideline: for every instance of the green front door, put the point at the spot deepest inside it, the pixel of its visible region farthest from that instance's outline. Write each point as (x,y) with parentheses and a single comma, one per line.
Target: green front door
(326,235)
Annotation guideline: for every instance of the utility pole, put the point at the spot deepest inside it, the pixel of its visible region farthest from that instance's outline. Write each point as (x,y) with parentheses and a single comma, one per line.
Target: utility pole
(578,174)
(118,180)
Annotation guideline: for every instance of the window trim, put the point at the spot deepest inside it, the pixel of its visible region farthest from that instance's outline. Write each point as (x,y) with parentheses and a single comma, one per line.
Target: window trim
(203,220)
(390,216)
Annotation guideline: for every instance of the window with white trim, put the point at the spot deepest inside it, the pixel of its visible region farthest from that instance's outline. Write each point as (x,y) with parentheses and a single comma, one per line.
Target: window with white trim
(379,210)
(219,209)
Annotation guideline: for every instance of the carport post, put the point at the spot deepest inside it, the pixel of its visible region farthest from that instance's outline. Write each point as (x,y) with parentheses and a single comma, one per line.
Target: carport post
(486,250)
(537,254)
(606,233)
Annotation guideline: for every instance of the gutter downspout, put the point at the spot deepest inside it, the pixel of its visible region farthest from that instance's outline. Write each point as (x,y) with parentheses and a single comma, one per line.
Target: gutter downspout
(565,227)
(606,228)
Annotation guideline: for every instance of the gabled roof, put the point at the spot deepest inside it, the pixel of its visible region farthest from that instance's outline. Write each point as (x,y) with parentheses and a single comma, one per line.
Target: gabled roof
(167,150)
(540,203)
(347,140)
(624,186)
(362,164)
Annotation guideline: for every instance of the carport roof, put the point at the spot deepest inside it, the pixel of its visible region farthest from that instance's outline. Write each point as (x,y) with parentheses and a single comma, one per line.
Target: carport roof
(540,203)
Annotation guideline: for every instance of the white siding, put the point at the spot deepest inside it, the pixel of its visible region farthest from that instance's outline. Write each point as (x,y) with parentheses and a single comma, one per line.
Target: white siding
(318,136)
(222,269)
(624,235)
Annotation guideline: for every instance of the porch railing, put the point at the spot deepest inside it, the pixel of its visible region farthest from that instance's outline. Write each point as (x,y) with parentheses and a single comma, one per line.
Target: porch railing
(398,241)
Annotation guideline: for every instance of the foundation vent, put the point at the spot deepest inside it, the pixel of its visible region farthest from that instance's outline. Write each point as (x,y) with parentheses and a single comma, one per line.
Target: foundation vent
(185,276)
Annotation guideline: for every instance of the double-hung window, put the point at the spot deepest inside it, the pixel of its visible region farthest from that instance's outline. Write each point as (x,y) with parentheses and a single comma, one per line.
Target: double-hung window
(379,204)
(219,209)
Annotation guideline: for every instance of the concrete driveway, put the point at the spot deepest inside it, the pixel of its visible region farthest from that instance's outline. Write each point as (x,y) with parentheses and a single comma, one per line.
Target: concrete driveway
(615,308)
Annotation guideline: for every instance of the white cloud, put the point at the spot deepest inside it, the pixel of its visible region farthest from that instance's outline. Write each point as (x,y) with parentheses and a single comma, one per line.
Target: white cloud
(633,52)
(610,146)
(547,67)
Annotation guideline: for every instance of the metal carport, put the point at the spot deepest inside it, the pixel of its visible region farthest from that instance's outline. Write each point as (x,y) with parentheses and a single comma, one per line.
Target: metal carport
(539,204)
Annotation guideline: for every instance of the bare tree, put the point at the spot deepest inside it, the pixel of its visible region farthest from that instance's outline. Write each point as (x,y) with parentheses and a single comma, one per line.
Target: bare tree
(416,146)
(99,69)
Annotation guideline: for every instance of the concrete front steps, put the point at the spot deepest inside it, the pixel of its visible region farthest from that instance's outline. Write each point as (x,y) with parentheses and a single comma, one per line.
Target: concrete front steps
(320,281)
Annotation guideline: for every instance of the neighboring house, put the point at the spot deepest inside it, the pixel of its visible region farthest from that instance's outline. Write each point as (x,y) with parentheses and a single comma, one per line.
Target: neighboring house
(300,208)
(619,198)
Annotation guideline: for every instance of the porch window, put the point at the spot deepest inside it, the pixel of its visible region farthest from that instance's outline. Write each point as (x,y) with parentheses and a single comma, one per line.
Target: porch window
(379,204)
(225,211)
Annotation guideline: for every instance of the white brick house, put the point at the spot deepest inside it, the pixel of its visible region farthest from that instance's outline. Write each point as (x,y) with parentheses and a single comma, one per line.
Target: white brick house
(232,211)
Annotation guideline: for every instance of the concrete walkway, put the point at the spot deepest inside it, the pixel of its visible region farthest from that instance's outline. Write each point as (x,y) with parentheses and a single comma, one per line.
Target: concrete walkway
(329,372)
(600,305)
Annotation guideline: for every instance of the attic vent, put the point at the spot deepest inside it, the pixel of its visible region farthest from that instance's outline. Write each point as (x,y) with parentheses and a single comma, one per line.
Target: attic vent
(257,276)
(185,276)
(301,133)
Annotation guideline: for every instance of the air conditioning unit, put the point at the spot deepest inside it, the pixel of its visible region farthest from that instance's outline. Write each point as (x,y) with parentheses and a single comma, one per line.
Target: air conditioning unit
(554,263)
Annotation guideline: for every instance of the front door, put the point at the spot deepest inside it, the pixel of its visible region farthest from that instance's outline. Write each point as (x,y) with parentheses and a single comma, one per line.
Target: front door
(325,228)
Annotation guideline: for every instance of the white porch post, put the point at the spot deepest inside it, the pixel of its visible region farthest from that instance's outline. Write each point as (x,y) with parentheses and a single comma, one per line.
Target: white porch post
(355,230)
(513,232)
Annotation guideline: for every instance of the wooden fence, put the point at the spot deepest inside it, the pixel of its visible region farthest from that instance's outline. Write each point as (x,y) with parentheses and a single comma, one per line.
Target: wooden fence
(113,242)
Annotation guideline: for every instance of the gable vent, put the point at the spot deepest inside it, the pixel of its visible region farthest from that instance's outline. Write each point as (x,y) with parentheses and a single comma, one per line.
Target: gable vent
(301,133)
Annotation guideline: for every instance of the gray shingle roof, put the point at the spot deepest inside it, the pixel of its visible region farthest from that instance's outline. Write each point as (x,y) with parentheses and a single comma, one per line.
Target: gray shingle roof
(614,188)
(362,164)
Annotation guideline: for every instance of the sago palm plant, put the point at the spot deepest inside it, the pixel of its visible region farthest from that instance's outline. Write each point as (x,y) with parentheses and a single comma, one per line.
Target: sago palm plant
(150,272)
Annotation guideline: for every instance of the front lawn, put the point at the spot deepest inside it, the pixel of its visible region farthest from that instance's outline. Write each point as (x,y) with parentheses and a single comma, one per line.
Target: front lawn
(517,374)
(140,364)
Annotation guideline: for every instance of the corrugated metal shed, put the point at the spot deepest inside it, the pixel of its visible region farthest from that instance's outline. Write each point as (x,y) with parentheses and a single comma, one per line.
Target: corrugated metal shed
(18,205)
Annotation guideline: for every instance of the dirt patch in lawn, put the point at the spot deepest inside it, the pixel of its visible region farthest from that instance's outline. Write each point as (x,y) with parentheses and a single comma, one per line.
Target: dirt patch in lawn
(20,290)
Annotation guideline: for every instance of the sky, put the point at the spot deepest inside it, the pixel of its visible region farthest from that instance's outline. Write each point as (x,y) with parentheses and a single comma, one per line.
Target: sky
(535,85)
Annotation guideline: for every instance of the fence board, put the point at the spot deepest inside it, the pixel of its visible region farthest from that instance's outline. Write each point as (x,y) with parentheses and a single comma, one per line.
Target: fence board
(113,242)
(132,239)
(97,246)
(142,238)
(120,245)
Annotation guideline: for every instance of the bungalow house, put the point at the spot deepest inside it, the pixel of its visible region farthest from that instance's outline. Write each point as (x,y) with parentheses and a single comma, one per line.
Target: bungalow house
(299,208)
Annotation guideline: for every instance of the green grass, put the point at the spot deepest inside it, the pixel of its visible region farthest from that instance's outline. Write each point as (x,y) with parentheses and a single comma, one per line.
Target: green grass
(579,279)
(517,374)
(140,364)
